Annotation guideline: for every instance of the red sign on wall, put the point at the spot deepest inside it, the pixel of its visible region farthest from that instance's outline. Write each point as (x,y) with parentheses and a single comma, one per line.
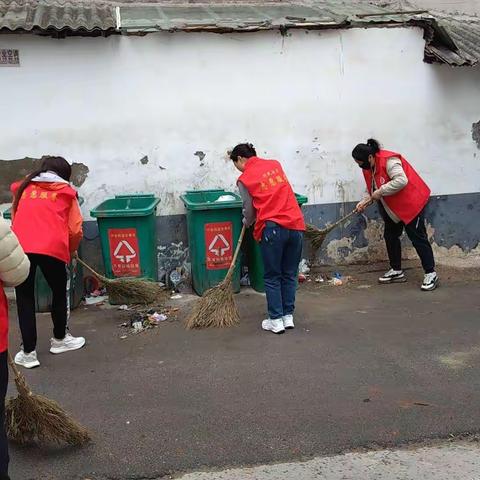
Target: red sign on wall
(124,252)
(219,245)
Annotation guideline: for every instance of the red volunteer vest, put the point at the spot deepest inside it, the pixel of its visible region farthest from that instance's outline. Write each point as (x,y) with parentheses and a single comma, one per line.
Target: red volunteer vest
(272,195)
(41,220)
(3,320)
(411,200)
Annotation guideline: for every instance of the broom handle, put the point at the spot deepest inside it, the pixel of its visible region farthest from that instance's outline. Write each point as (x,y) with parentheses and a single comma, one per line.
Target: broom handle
(346,217)
(88,267)
(343,219)
(19,378)
(11,362)
(235,255)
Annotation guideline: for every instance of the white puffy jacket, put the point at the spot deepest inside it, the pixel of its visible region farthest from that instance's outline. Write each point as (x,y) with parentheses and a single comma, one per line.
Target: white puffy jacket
(14,264)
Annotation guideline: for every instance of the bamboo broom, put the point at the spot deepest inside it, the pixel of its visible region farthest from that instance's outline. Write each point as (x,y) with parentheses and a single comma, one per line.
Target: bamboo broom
(316,236)
(129,290)
(30,417)
(217,308)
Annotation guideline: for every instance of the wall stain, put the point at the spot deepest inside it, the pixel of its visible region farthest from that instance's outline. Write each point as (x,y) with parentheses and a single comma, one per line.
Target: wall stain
(201,156)
(476,133)
(14,170)
(144,160)
(344,250)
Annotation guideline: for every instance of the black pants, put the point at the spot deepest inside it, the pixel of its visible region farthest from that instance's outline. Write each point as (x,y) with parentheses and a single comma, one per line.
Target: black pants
(417,234)
(3,436)
(55,274)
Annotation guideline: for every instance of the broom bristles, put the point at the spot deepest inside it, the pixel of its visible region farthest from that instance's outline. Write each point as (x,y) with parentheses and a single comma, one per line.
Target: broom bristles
(30,417)
(129,290)
(316,236)
(133,290)
(216,308)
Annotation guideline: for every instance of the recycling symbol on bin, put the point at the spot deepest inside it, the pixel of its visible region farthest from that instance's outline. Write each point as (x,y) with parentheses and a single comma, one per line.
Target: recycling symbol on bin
(219,245)
(124,252)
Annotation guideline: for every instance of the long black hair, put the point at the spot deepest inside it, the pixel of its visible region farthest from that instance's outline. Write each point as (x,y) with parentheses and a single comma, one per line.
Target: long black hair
(49,163)
(363,150)
(245,150)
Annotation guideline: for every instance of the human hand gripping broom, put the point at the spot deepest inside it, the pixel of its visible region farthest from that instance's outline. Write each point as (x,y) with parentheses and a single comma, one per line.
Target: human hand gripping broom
(30,417)
(217,308)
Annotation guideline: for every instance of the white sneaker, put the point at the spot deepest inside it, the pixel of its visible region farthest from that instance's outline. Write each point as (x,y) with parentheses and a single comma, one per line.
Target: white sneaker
(27,360)
(275,326)
(393,276)
(288,322)
(430,282)
(68,344)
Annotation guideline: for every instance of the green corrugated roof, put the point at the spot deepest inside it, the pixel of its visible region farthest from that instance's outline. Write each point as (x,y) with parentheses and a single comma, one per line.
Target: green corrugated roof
(451,39)
(72,15)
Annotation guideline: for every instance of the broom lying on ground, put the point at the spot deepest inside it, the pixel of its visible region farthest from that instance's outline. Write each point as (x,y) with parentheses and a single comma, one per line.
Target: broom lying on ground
(217,306)
(30,417)
(316,236)
(129,290)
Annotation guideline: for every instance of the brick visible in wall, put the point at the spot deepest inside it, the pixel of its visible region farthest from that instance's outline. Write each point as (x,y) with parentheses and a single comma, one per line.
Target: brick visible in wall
(13,170)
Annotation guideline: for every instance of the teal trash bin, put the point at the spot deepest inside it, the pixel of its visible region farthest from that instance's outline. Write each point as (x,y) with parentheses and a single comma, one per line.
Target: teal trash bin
(127,227)
(254,255)
(214,223)
(43,293)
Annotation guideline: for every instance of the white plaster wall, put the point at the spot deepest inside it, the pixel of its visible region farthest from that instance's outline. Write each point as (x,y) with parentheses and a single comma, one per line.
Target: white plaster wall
(306,99)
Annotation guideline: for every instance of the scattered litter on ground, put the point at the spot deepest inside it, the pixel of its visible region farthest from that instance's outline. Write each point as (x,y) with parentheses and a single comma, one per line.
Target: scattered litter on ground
(96,297)
(137,326)
(361,287)
(304,267)
(319,279)
(176,297)
(339,280)
(156,318)
(140,320)
(123,307)
(96,300)
(302,278)
(245,281)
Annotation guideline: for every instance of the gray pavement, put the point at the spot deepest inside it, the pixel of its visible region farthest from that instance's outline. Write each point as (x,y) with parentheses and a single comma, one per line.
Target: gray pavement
(366,366)
(443,462)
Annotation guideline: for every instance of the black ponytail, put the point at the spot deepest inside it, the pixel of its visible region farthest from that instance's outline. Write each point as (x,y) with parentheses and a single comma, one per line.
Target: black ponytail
(243,150)
(49,164)
(374,145)
(363,150)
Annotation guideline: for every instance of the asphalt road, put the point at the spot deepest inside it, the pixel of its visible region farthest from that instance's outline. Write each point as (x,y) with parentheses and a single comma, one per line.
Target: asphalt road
(366,365)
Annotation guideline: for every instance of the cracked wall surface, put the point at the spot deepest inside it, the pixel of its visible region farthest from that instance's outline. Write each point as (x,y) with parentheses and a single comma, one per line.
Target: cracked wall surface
(14,170)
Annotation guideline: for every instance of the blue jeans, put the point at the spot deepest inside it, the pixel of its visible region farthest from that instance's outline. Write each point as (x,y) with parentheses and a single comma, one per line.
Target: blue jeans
(281,253)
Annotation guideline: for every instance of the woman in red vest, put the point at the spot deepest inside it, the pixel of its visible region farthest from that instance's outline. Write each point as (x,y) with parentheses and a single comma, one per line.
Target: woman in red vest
(14,268)
(48,224)
(270,203)
(402,196)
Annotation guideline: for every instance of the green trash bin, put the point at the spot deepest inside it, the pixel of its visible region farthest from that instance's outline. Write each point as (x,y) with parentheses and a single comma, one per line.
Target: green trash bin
(254,255)
(43,293)
(214,225)
(128,235)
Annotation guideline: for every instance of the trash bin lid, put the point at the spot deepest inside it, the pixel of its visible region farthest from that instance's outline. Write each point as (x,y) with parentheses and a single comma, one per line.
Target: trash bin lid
(126,206)
(301,199)
(210,200)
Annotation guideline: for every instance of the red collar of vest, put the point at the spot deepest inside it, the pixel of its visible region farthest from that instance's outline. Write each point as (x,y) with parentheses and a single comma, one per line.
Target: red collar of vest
(251,161)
